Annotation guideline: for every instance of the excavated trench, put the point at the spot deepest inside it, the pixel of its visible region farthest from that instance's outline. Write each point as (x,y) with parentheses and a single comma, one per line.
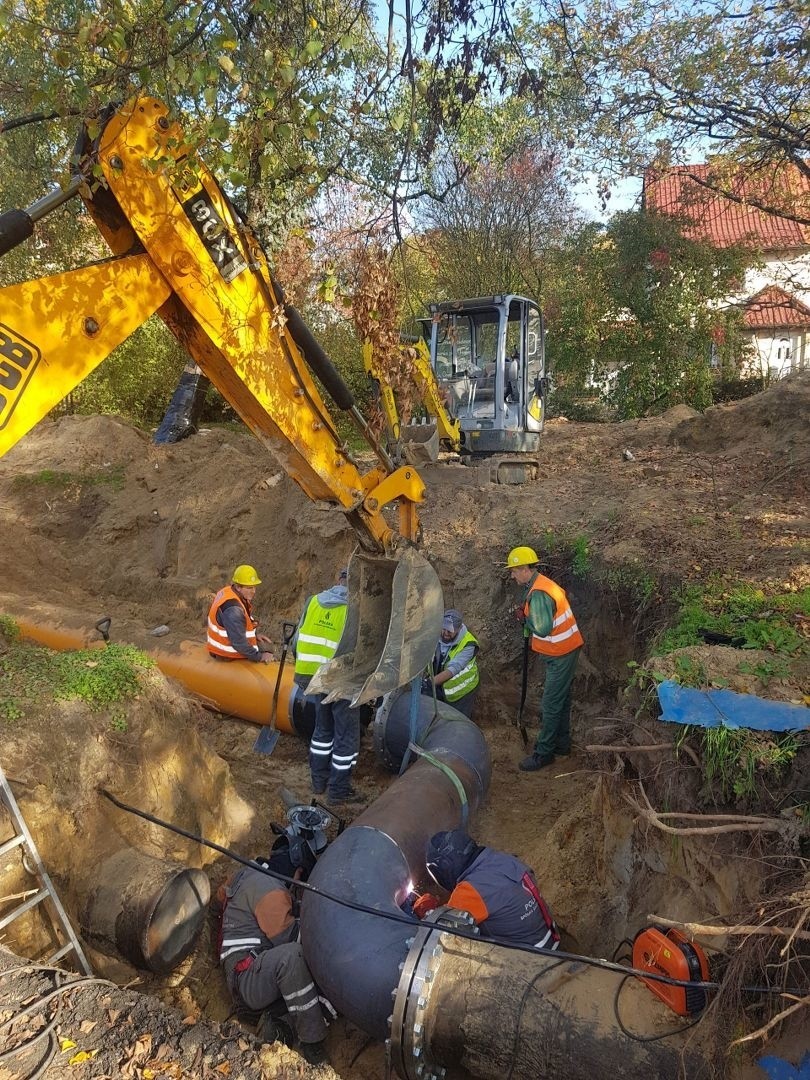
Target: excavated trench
(600,871)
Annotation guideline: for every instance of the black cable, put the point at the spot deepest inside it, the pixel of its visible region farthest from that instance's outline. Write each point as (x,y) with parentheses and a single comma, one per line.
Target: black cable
(521,1007)
(411,923)
(27,1044)
(44,999)
(647,1038)
(624,941)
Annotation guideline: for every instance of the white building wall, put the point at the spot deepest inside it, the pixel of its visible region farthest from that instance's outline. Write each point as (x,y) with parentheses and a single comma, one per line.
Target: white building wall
(778,352)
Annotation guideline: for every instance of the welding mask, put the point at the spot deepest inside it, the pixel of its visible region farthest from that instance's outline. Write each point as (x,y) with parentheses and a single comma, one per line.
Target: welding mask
(288,854)
(447,856)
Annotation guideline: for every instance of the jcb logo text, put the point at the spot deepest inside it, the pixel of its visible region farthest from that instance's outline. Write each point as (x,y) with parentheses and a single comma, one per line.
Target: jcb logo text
(18,359)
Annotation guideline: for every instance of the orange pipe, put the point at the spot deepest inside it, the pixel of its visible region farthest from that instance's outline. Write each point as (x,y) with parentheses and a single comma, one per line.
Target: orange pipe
(236,687)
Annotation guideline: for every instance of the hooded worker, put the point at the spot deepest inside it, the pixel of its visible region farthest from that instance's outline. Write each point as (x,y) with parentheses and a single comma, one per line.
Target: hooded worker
(498,890)
(455,667)
(551,629)
(232,632)
(335,743)
(262,958)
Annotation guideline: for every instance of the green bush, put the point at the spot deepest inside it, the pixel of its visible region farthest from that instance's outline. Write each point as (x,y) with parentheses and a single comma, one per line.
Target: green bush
(736,389)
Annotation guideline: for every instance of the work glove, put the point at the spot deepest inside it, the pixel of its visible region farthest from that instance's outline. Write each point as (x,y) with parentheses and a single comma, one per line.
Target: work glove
(518,613)
(425,903)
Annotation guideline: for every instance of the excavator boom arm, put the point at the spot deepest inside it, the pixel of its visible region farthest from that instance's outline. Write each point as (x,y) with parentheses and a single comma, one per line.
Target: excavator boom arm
(206,275)
(181,250)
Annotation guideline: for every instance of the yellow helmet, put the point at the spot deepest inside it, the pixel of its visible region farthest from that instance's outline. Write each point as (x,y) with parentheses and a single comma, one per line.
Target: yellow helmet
(521,556)
(245,575)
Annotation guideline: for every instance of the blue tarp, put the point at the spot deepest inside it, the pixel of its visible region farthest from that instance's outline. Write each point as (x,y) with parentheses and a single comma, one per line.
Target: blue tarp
(779,1069)
(716,708)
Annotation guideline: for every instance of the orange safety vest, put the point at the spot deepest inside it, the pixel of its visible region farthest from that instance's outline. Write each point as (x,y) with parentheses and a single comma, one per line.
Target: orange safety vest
(565,635)
(217,640)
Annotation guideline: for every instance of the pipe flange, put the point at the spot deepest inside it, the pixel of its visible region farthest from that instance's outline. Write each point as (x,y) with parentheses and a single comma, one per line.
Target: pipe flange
(381,751)
(410,1049)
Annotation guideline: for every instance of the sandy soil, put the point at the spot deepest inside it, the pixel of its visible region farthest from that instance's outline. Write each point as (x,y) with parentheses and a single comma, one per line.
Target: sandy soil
(146,535)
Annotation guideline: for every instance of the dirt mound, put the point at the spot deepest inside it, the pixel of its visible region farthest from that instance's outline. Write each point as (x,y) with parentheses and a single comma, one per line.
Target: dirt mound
(745,671)
(776,418)
(60,752)
(76,443)
(105,1031)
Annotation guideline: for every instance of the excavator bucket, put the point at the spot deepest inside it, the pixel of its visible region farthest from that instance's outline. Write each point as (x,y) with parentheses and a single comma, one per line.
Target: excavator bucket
(393,624)
(420,443)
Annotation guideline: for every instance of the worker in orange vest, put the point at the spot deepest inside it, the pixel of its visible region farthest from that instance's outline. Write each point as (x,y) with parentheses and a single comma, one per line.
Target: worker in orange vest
(552,631)
(233,632)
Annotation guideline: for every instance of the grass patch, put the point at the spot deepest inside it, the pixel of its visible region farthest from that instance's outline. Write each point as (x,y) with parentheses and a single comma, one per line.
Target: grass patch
(633,579)
(99,677)
(51,478)
(738,764)
(575,548)
(8,628)
(735,758)
(748,615)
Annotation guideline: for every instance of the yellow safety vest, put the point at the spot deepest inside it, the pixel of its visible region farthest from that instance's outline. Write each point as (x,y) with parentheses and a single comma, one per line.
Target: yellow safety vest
(319,636)
(467,679)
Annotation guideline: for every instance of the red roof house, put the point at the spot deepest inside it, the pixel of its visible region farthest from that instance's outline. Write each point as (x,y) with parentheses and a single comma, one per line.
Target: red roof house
(725,221)
(776,294)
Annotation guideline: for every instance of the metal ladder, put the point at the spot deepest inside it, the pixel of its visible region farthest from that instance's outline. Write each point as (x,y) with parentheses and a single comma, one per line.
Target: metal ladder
(22,838)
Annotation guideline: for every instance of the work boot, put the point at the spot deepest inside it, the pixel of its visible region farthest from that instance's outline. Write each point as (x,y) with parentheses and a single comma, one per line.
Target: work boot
(272,1029)
(318,787)
(535,761)
(314,1053)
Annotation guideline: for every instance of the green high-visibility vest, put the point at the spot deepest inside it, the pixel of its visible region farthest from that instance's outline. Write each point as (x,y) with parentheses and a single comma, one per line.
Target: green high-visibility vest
(467,679)
(319,636)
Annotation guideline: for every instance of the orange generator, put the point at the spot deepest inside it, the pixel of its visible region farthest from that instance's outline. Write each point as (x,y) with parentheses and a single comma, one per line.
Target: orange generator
(668,952)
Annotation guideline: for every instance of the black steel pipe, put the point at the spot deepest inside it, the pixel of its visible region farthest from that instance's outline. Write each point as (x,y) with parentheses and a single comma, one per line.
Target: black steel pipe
(356,958)
(392,727)
(146,910)
(494,1013)
(445,1004)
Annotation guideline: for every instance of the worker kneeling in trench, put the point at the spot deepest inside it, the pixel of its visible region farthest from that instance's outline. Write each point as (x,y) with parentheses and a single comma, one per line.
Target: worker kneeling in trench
(262,957)
(498,890)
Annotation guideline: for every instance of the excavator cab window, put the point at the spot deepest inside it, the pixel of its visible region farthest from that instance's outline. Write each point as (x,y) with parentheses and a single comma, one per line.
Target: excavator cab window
(454,346)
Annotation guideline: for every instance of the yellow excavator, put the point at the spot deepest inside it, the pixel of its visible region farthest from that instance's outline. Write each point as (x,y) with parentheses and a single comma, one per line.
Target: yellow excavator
(479,375)
(181,249)
(413,443)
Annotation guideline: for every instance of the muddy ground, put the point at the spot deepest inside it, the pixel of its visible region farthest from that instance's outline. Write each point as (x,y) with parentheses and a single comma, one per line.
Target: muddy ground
(95,520)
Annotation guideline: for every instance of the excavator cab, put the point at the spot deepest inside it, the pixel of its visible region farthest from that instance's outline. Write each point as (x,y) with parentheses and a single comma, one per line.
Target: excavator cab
(181,250)
(488,355)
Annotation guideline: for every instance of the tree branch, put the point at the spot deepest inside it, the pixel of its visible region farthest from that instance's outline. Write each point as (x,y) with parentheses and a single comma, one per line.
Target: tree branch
(740,930)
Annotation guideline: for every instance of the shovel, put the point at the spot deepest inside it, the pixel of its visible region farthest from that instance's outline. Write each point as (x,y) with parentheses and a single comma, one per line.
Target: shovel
(268,737)
(519,722)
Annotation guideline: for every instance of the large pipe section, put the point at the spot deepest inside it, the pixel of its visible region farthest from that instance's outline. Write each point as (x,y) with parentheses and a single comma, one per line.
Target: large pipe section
(495,1012)
(443,1003)
(236,688)
(356,957)
(146,910)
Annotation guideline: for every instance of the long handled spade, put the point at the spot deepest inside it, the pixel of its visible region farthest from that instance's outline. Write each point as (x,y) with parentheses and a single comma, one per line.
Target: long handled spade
(519,722)
(268,737)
